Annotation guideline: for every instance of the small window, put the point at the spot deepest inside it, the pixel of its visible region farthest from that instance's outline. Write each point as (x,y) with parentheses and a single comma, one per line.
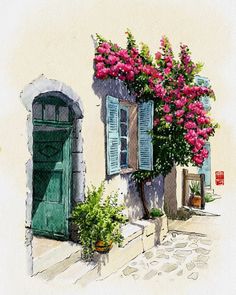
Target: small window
(124,135)
(49,112)
(38,111)
(129,144)
(63,114)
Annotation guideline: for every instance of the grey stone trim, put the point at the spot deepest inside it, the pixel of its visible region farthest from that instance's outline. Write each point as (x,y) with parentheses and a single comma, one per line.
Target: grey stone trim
(37,87)
(44,85)
(29,255)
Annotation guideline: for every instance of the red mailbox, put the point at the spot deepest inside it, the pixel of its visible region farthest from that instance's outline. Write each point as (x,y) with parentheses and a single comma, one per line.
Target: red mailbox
(219,177)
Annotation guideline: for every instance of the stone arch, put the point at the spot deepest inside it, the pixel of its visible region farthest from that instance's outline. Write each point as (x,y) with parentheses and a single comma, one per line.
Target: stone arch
(36,88)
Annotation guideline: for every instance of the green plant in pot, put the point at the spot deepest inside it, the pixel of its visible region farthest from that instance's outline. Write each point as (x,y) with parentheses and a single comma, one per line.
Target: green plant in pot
(98,220)
(156,212)
(195,198)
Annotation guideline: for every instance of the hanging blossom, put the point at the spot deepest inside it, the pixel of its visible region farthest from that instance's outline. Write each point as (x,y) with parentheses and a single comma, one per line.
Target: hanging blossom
(168,82)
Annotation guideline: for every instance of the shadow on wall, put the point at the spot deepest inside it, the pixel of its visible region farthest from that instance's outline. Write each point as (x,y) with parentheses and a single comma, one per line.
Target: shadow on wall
(155,192)
(154,195)
(112,87)
(170,193)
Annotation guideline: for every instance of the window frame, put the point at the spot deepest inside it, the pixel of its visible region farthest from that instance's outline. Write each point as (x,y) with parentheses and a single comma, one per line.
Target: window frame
(125,137)
(139,156)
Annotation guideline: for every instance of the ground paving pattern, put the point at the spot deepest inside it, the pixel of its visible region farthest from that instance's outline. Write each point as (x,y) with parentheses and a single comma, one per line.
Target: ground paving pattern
(180,254)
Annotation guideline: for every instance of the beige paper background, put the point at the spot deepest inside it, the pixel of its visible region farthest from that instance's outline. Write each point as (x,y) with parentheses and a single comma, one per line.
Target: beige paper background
(54,38)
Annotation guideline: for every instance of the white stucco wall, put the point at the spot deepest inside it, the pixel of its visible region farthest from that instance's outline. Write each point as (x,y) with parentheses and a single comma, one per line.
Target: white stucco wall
(54,38)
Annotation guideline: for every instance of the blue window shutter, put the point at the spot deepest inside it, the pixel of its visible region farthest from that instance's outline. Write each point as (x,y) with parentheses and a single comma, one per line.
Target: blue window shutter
(206,167)
(202,81)
(113,136)
(145,123)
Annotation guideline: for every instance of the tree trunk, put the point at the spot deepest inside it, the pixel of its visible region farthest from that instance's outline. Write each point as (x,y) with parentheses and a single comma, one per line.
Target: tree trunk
(142,196)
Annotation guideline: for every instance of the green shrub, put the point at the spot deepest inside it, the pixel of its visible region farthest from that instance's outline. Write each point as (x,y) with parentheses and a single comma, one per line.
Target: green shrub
(209,198)
(156,212)
(195,188)
(98,219)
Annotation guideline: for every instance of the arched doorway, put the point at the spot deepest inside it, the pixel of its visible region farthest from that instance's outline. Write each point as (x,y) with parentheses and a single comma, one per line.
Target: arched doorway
(62,119)
(52,166)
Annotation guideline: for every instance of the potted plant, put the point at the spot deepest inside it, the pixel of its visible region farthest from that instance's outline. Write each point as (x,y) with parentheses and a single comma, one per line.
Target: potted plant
(195,197)
(156,212)
(98,220)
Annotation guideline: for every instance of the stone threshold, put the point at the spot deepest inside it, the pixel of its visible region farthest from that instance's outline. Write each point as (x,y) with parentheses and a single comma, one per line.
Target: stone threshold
(139,236)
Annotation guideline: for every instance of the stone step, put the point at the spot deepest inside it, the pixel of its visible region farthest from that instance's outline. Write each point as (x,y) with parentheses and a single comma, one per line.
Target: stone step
(64,254)
(138,237)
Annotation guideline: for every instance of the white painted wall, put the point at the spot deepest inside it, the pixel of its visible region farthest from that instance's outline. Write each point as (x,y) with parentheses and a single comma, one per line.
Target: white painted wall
(54,38)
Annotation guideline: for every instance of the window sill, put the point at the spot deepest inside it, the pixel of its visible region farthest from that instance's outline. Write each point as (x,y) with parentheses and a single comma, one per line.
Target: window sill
(127,170)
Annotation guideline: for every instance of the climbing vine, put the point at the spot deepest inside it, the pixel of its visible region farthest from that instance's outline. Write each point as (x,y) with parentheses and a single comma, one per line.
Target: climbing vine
(181,126)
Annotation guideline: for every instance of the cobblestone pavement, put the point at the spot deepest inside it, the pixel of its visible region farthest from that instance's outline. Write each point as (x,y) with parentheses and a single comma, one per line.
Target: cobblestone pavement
(179,255)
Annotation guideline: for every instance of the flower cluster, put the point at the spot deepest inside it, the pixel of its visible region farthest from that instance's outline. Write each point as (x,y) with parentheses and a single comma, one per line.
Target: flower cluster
(179,116)
(115,62)
(181,103)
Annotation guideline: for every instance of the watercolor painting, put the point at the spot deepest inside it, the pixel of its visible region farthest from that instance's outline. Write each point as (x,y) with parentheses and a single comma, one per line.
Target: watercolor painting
(117,149)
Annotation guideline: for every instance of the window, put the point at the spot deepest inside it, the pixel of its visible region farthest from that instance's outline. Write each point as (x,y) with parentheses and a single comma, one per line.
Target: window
(203,81)
(51,109)
(128,145)
(206,167)
(124,136)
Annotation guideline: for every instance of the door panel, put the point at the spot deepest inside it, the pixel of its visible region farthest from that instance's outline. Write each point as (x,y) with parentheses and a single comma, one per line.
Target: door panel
(51,182)
(48,151)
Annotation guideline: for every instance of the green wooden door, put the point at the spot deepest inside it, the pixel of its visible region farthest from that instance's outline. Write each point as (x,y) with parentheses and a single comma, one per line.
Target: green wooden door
(51,182)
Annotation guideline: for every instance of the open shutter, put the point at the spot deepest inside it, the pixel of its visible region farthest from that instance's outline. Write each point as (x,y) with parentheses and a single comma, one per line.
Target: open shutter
(202,81)
(113,137)
(206,167)
(145,123)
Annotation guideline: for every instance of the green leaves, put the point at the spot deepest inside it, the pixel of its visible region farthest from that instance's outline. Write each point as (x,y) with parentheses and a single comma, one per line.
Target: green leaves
(131,43)
(98,218)
(145,54)
(100,39)
(195,187)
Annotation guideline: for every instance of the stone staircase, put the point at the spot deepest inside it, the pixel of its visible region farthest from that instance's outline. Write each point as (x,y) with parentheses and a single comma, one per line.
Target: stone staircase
(63,262)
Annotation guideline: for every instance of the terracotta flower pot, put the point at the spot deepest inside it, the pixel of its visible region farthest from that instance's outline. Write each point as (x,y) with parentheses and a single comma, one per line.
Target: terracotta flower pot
(102,248)
(196,201)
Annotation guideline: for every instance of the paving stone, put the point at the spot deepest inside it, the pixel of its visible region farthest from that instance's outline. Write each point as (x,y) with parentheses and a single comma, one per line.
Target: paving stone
(162,256)
(180,273)
(160,251)
(167,243)
(143,264)
(135,276)
(206,242)
(170,249)
(190,266)
(133,263)
(129,270)
(193,246)
(181,245)
(183,252)
(193,238)
(169,267)
(180,258)
(193,276)
(150,274)
(202,258)
(202,251)
(180,237)
(201,265)
(154,262)
(148,255)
